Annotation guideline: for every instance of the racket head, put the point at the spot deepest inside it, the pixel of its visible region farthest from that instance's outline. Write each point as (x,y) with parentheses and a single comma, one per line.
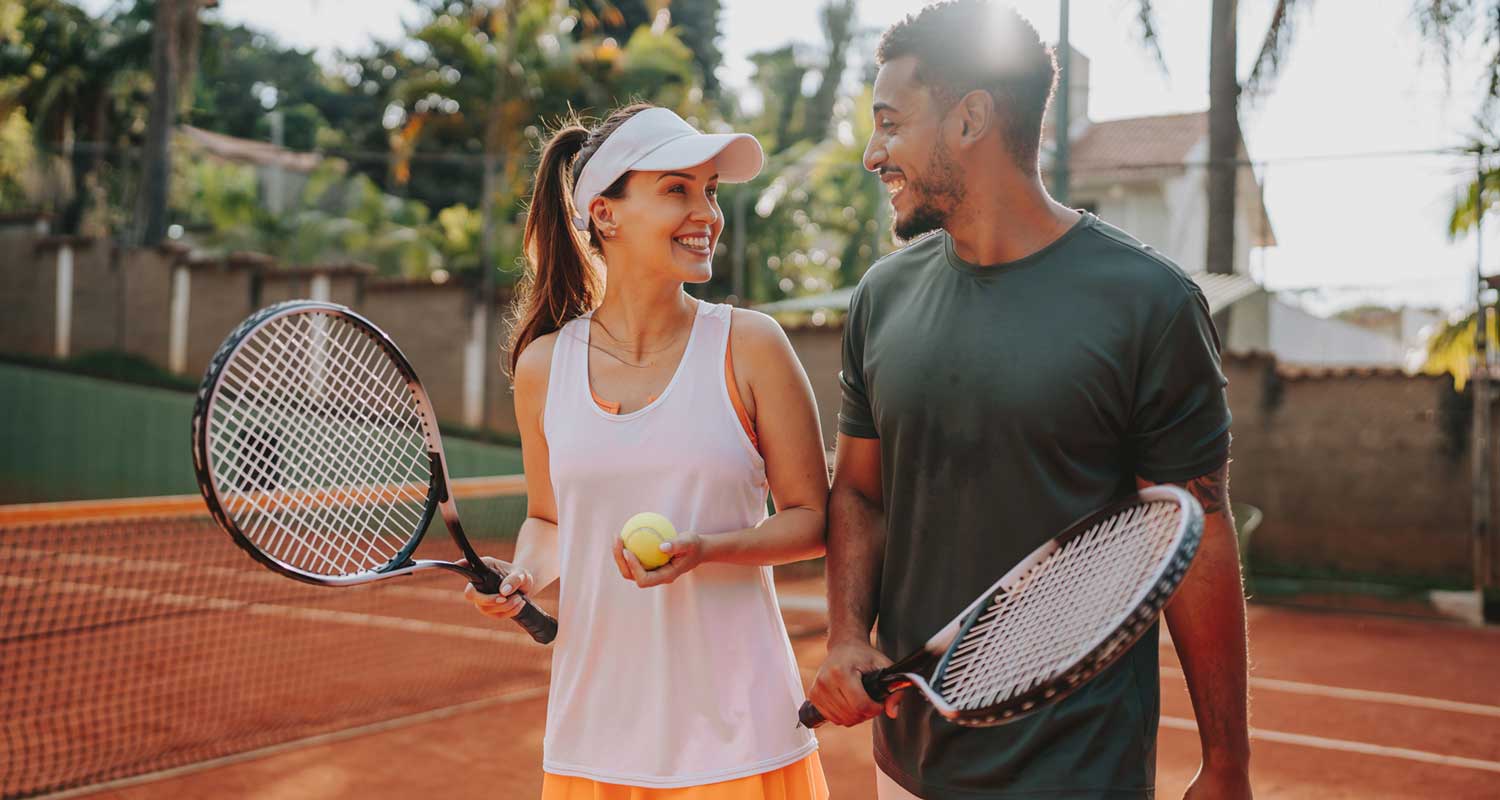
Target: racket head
(1159,530)
(314,445)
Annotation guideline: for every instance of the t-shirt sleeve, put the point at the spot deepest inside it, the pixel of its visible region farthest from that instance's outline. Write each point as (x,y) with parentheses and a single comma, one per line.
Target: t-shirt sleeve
(855,417)
(1180,424)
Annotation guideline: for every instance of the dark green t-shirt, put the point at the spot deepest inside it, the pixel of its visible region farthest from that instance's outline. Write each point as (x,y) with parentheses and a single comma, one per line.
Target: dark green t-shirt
(1009,401)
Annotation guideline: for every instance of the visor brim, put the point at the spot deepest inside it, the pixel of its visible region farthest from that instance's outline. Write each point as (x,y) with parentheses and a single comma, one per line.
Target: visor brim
(737,155)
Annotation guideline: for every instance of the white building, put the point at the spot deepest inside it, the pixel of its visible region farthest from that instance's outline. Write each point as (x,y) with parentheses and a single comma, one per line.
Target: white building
(1149,176)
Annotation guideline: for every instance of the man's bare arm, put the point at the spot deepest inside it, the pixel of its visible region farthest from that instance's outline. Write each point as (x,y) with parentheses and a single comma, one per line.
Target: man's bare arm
(1207,621)
(856,554)
(856,540)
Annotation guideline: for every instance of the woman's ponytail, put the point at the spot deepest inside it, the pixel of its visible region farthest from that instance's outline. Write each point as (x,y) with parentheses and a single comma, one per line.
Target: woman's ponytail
(561,280)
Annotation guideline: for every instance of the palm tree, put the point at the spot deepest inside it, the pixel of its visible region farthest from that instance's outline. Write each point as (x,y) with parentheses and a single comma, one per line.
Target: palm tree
(1452,348)
(1224,90)
(70,71)
(174,56)
(838,32)
(1448,24)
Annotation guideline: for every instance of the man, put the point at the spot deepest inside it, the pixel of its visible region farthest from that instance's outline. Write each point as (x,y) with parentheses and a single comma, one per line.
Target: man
(1020,367)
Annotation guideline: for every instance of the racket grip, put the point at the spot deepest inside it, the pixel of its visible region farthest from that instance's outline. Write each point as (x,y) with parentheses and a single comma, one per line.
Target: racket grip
(875,687)
(538,623)
(809,715)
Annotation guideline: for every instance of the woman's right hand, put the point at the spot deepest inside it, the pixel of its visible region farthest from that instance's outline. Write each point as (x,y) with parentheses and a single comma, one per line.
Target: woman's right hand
(508,602)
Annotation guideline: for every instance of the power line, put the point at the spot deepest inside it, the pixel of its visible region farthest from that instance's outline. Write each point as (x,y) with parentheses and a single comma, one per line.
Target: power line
(475,158)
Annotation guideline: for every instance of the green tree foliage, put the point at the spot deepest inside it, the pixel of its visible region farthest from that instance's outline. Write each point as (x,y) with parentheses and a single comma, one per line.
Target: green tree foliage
(1452,347)
(340,218)
(838,18)
(815,218)
(1450,26)
(406,127)
(696,24)
(492,78)
(778,79)
(245,74)
(81,83)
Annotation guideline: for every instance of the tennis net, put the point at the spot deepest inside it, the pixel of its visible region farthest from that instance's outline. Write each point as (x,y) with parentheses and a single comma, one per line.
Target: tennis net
(136,637)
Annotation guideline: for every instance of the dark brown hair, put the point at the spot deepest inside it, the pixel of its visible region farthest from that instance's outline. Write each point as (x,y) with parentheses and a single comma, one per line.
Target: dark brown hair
(963,46)
(562,280)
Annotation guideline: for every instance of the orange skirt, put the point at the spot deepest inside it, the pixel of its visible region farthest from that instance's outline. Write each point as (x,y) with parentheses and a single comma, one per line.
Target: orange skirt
(800,780)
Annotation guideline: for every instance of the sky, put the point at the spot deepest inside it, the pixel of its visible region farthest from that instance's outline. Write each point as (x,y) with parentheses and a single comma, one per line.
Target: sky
(1358,215)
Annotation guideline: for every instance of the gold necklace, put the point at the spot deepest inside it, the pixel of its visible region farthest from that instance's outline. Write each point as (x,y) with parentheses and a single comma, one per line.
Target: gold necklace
(646,361)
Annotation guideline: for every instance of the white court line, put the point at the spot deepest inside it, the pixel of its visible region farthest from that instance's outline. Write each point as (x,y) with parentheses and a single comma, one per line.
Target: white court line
(1345,746)
(199,602)
(1362,695)
(298,744)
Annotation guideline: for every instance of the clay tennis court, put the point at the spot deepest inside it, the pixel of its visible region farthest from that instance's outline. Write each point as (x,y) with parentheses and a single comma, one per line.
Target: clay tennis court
(1344,704)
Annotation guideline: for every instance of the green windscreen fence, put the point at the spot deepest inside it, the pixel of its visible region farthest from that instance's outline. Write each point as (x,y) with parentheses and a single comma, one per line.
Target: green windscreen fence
(68,437)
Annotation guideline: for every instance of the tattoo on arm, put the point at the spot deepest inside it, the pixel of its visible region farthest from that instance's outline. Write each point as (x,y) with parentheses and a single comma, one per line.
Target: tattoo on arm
(1211,490)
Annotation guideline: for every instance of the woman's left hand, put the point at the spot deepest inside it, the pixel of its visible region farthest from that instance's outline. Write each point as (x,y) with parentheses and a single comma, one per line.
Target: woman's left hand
(686,552)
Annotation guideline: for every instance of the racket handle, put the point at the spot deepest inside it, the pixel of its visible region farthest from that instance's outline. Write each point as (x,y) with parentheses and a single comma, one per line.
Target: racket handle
(809,715)
(875,687)
(538,623)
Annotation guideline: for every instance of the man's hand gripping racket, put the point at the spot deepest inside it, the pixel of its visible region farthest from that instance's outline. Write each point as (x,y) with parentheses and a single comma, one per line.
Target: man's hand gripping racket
(317,449)
(1060,617)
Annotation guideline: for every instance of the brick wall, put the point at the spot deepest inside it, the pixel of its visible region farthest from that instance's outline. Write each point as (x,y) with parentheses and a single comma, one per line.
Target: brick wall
(1358,472)
(147,287)
(220,299)
(820,349)
(97,299)
(431,326)
(28,282)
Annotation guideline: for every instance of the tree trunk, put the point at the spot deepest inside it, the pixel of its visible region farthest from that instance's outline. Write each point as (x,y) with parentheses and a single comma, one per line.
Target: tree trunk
(838,29)
(156,169)
(1223,137)
(790,89)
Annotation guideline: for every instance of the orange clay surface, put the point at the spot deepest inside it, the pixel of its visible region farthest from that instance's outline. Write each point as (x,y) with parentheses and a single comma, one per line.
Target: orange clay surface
(1344,705)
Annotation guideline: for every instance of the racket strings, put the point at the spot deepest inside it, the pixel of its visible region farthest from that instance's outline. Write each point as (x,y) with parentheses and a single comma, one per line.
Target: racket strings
(1038,649)
(355,489)
(265,472)
(1061,609)
(319,447)
(281,422)
(346,485)
(342,477)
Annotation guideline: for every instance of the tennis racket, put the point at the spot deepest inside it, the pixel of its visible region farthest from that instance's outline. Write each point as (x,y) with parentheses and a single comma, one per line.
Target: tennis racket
(1060,617)
(317,449)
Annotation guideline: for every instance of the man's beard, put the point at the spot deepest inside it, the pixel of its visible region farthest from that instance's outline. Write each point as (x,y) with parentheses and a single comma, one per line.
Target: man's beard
(935,196)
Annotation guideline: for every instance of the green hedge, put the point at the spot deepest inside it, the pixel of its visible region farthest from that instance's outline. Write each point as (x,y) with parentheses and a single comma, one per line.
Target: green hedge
(70,437)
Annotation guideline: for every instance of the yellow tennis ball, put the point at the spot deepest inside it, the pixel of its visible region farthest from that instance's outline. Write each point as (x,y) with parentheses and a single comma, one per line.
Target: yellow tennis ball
(644,534)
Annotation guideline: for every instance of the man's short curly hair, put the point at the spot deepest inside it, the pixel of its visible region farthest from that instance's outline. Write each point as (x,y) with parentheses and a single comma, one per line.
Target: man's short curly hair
(977,45)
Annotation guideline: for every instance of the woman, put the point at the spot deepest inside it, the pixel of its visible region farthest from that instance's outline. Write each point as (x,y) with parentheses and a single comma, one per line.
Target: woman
(631,396)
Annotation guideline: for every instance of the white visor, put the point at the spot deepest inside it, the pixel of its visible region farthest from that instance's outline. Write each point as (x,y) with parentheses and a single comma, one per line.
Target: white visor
(657,140)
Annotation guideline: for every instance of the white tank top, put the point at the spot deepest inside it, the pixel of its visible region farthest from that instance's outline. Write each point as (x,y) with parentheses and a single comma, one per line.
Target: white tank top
(678,685)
